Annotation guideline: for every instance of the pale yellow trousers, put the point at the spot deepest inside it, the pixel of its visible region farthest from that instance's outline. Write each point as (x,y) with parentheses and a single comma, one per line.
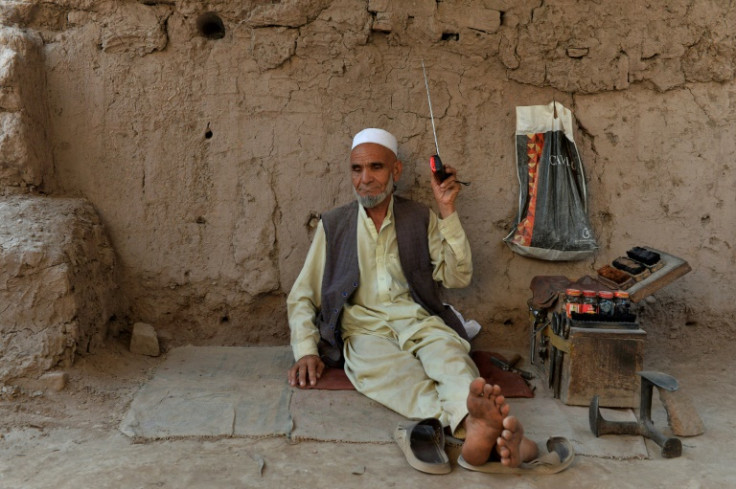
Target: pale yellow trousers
(425,376)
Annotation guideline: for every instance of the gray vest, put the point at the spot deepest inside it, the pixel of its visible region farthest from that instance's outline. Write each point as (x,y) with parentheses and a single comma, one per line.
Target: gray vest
(342,274)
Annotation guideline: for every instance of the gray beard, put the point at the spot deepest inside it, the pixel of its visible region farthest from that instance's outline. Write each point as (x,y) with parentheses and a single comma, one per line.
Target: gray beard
(371,201)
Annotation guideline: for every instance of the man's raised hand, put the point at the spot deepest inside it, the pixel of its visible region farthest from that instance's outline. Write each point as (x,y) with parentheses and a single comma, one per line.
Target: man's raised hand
(445,192)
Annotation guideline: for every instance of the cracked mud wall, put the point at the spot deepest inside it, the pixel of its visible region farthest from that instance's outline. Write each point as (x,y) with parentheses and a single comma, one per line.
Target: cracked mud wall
(57,290)
(24,146)
(208,149)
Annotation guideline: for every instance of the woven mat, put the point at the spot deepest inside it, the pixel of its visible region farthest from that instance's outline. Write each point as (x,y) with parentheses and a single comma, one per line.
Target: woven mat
(242,392)
(214,392)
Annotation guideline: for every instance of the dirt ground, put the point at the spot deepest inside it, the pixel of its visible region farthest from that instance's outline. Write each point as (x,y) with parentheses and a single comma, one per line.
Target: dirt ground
(70,439)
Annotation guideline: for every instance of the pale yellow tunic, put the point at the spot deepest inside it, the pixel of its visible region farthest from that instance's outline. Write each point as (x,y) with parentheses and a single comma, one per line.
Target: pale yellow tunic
(395,351)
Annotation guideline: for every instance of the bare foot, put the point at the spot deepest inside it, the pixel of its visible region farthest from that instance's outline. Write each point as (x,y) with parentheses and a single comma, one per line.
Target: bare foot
(512,446)
(487,409)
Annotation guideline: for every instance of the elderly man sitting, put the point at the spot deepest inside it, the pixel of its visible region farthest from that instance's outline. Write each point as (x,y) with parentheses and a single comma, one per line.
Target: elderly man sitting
(367,296)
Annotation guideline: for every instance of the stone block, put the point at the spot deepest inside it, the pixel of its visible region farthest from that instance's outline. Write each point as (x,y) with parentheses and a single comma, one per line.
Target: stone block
(144,340)
(55,381)
(56,283)
(577,52)
(382,22)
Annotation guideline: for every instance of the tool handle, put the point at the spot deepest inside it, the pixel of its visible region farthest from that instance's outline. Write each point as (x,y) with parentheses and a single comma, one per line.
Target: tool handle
(506,367)
(438,169)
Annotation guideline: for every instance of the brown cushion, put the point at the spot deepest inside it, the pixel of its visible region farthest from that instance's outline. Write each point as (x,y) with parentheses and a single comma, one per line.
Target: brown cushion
(512,384)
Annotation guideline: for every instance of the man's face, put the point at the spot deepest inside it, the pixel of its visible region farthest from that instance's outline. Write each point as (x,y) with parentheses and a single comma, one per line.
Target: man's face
(373,170)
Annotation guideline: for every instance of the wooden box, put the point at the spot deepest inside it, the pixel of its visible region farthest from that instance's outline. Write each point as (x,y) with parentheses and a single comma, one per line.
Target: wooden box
(602,361)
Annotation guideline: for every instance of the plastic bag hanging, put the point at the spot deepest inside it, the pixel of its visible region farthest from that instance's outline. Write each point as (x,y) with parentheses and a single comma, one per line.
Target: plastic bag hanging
(552,221)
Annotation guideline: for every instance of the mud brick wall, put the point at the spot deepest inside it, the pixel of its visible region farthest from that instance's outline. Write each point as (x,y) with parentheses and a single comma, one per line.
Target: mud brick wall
(209,134)
(57,288)
(25,155)
(56,283)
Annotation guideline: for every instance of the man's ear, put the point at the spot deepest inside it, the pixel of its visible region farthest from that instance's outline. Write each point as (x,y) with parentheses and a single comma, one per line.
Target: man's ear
(398,167)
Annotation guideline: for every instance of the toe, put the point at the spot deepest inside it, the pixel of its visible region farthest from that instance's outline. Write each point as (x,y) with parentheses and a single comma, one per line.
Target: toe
(510,423)
(477,386)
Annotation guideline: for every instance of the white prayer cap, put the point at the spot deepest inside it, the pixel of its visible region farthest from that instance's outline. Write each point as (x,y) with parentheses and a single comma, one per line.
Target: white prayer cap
(377,136)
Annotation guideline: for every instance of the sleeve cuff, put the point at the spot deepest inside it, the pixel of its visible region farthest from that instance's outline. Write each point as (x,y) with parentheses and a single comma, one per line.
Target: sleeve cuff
(451,228)
(304,348)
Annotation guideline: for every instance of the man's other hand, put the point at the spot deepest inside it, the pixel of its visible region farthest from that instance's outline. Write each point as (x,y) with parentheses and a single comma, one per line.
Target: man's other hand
(307,370)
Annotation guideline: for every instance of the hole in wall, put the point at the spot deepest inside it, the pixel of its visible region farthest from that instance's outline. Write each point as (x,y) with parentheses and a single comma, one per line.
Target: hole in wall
(450,36)
(224,319)
(208,134)
(210,25)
